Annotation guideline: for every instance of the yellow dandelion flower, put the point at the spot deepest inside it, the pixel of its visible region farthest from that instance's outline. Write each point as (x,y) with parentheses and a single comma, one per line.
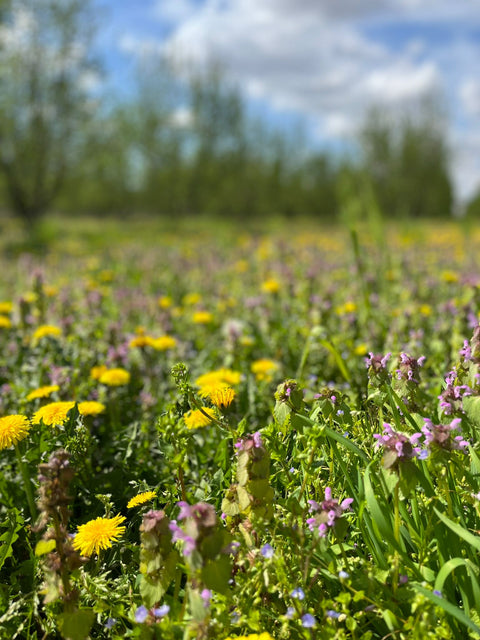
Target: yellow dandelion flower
(271,286)
(90,408)
(46,330)
(6,307)
(361,350)
(5,322)
(222,397)
(425,309)
(163,343)
(264,369)
(97,371)
(50,290)
(227,376)
(141,499)
(115,377)
(196,418)
(98,534)
(141,341)
(191,299)
(53,414)
(165,302)
(207,389)
(449,276)
(247,341)
(43,392)
(13,429)
(241,266)
(202,317)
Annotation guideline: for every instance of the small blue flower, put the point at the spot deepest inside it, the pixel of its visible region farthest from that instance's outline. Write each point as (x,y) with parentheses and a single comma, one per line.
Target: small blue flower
(110,623)
(290,613)
(308,621)
(141,614)
(437,592)
(343,574)
(162,611)
(267,551)
(331,613)
(298,593)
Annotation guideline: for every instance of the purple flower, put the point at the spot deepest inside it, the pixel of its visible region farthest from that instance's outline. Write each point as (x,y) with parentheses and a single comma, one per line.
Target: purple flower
(206,595)
(331,613)
(179,534)
(267,551)
(398,447)
(110,623)
(327,512)
(437,592)
(441,436)
(308,621)
(298,594)
(290,612)
(141,614)
(161,612)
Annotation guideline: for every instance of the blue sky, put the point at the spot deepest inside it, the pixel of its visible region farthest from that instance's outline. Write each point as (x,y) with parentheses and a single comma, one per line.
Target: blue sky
(324,61)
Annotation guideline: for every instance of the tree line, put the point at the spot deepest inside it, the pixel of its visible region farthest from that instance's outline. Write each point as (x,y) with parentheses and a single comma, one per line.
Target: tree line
(184,142)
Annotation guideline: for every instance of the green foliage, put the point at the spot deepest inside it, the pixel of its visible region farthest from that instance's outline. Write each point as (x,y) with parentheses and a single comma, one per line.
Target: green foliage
(331,492)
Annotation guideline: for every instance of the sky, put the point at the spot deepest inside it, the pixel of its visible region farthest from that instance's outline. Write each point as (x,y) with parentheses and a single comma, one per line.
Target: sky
(325,62)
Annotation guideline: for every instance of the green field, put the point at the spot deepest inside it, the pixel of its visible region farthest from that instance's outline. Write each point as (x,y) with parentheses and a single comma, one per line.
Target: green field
(211,430)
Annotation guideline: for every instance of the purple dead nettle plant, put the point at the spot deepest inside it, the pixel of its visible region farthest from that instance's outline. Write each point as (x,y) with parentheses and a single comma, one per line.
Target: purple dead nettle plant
(440,436)
(398,447)
(327,513)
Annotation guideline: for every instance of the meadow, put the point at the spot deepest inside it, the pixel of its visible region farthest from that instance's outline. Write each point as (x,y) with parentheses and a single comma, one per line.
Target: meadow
(216,431)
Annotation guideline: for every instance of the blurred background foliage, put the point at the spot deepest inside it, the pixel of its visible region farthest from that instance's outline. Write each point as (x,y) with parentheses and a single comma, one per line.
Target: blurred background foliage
(184,142)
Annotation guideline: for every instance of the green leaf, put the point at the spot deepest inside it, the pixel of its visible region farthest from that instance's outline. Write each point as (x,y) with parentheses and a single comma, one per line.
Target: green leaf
(471,406)
(76,625)
(448,607)
(15,522)
(474,541)
(44,546)
(217,573)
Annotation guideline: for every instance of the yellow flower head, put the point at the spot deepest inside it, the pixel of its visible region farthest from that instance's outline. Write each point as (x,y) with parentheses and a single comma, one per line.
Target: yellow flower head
(165,302)
(13,429)
(42,392)
(46,330)
(141,499)
(196,418)
(361,350)
(98,534)
(163,343)
(202,317)
(90,408)
(191,299)
(115,377)
(271,286)
(53,414)
(264,369)
(222,397)
(227,376)
(6,307)
(141,341)
(96,372)
(5,322)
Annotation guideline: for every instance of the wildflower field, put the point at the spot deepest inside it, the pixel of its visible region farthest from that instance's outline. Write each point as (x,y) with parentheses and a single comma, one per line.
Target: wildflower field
(225,433)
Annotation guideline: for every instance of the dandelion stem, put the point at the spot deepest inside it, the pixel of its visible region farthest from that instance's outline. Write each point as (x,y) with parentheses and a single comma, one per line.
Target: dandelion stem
(26,485)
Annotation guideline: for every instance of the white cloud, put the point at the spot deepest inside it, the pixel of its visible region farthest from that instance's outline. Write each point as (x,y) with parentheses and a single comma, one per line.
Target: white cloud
(316,57)
(470,96)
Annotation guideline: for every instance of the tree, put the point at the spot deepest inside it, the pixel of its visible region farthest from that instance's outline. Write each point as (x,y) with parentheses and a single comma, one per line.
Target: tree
(407,160)
(45,68)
